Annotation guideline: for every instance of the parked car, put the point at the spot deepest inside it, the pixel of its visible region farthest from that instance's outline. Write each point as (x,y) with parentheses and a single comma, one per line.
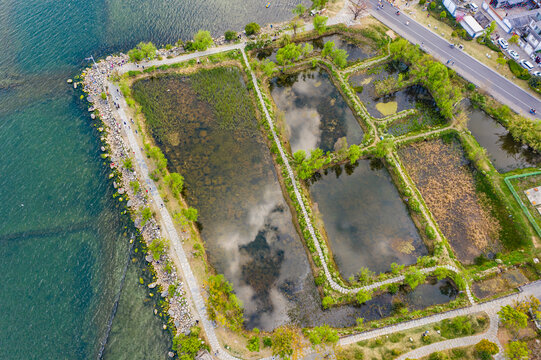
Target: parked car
(513,54)
(473,7)
(526,64)
(536,73)
(503,44)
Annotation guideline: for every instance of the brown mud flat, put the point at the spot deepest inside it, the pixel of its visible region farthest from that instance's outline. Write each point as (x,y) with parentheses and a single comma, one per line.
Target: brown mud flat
(447,184)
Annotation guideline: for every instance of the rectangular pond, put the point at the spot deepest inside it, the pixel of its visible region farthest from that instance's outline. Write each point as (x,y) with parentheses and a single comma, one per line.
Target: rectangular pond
(505,153)
(445,179)
(366,221)
(315,114)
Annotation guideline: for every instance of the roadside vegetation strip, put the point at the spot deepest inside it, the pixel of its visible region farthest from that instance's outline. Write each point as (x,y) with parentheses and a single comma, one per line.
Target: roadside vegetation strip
(519,200)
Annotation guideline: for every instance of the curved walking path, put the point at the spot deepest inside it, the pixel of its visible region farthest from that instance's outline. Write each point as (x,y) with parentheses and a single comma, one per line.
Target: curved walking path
(489,307)
(491,335)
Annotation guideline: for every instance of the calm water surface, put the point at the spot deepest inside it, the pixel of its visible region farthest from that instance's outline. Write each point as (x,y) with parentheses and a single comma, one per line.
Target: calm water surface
(63,245)
(505,153)
(366,221)
(314,111)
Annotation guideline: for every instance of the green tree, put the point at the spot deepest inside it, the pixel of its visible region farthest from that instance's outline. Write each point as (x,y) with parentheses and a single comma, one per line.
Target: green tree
(328,48)
(288,54)
(307,49)
(433,5)
(146,215)
(295,25)
(175,181)
(383,148)
(284,342)
(517,350)
(320,24)
(326,302)
(268,67)
(141,51)
(318,4)
(202,40)
(443,14)
(513,319)
(354,153)
(490,29)
(252,28)
(340,57)
(230,35)
(299,10)
(322,335)
(190,214)
(513,39)
(395,268)
(253,344)
(363,296)
(484,349)
(414,277)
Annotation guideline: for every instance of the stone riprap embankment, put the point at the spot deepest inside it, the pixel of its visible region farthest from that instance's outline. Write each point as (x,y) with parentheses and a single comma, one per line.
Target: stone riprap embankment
(94,84)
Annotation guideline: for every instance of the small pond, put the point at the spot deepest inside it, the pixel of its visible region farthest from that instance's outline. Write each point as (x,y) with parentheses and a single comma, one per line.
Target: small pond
(366,221)
(505,153)
(355,52)
(433,292)
(315,114)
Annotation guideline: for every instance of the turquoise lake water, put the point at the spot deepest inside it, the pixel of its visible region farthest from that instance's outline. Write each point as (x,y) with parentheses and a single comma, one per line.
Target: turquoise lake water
(63,244)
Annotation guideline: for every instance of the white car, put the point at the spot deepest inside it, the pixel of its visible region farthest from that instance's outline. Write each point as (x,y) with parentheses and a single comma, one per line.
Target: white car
(526,64)
(513,54)
(503,44)
(536,73)
(473,7)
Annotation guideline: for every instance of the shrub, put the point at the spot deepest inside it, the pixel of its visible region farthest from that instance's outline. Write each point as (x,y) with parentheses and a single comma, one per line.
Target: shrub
(422,2)
(284,339)
(437,355)
(518,70)
(456,327)
(223,305)
(414,277)
(535,82)
(327,302)
(322,335)
(252,28)
(230,35)
(443,14)
(484,349)
(187,346)
(430,232)
(253,344)
(470,87)
(267,341)
(142,51)
(158,247)
(433,5)
(363,296)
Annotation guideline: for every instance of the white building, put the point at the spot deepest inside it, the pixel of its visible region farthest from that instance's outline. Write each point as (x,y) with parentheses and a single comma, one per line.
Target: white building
(471,26)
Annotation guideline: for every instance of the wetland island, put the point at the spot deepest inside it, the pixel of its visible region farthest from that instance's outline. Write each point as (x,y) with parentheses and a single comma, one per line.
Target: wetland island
(322,187)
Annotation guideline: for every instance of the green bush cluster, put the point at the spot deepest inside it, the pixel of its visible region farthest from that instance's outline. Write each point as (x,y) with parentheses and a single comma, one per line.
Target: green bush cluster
(518,70)
(322,335)
(223,305)
(142,51)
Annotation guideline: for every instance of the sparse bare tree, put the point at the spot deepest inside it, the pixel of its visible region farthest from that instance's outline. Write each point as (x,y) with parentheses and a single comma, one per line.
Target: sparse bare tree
(357,8)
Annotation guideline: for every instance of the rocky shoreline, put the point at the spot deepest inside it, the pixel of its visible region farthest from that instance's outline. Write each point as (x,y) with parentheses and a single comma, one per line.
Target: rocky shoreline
(116,151)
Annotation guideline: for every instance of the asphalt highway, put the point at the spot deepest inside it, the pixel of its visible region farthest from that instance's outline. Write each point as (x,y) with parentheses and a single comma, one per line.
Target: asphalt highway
(471,69)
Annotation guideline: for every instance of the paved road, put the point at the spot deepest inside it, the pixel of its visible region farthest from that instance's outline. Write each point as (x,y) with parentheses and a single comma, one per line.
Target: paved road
(471,69)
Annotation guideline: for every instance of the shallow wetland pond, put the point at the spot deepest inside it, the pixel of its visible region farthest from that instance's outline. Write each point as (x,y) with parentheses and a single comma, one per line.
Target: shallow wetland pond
(314,112)
(505,153)
(244,219)
(365,219)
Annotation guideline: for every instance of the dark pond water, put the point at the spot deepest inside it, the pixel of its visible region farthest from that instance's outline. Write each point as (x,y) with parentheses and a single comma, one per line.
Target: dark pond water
(366,221)
(315,113)
(355,52)
(433,292)
(505,153)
